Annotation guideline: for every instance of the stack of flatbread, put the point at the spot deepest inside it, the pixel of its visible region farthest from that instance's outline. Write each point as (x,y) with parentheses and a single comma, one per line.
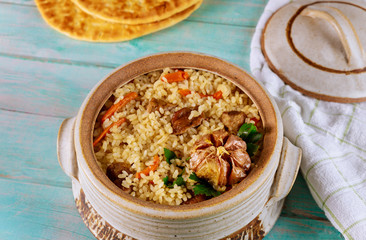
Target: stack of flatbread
(113,20)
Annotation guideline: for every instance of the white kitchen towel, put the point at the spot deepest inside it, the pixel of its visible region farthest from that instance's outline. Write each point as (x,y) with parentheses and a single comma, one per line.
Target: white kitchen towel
(332,137)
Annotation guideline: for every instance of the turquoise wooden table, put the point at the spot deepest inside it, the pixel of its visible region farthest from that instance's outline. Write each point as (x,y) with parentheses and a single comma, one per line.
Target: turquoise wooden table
(44,78)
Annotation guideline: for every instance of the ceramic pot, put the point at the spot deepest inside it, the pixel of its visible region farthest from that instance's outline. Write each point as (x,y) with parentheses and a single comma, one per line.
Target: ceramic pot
(250,209)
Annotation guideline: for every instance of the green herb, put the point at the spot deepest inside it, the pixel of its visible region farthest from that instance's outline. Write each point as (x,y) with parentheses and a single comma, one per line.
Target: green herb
(207,190)
(252,148)
(203,187)
(169,155)
(254,137)
(179,181)
(249,133)
(166,180)
(187,159)
(246,129)
(194,177)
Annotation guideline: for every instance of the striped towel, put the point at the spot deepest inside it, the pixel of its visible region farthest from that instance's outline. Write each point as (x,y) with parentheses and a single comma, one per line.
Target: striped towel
(332,137)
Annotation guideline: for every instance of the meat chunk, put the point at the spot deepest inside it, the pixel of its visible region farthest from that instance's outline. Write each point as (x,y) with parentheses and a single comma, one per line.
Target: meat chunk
(116,169)
(156,104)
(118,183)
(233,120)
(181,122)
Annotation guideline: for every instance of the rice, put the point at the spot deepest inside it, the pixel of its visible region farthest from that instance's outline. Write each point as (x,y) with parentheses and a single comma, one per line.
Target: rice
(147,134)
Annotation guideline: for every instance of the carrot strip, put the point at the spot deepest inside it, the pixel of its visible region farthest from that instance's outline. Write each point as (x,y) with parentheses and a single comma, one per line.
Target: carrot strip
(123,102)
(217,95)
(152,167)
(184,92)
(177,76)
(102,135)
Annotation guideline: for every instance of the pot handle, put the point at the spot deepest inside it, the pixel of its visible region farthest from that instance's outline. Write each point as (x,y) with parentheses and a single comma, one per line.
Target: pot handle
(66,149)
(355,54)
(287,170)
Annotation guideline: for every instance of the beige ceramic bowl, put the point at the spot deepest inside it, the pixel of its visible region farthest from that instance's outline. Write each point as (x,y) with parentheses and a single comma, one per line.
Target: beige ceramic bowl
(250,209)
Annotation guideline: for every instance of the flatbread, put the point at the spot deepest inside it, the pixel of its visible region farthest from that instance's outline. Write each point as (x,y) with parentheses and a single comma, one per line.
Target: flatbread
(67,18)
(133,11)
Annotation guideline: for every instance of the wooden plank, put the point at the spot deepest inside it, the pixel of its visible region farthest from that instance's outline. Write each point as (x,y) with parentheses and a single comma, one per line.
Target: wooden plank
(35,211)
(303,229)
(25,35)
(232,12)
(300,203)
(28,147)
(301,218)
(19,2)
(44,88)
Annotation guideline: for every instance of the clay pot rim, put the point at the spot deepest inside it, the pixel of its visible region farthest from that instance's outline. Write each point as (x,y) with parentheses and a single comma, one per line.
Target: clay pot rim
(92,105)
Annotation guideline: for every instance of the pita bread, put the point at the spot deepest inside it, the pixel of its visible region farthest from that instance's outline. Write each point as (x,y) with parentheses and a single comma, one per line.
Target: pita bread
(133,11)
(67,18)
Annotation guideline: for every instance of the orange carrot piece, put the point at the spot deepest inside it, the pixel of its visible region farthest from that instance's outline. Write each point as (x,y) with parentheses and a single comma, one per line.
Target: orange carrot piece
(184,92)
(102,135)
(152,167)
(217,95)
(123,102)
(177,76)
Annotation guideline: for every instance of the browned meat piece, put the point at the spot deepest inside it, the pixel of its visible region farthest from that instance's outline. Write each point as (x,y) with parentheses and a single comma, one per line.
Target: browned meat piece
(234,142)
(219,137)
(233,120)
(118,183)
(155,104)
(220,158)
(116,169)
(195,199)
(181,123)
